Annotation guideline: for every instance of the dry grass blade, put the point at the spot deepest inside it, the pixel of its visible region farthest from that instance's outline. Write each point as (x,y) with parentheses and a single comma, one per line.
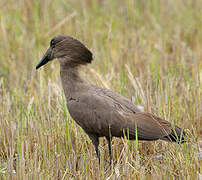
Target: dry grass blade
(61,23)
(136,84)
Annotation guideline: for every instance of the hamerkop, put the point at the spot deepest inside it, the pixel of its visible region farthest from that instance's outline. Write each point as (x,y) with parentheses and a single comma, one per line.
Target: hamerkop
(99,111)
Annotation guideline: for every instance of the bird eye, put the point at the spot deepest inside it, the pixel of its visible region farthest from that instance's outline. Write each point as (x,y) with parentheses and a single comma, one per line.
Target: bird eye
(52,43)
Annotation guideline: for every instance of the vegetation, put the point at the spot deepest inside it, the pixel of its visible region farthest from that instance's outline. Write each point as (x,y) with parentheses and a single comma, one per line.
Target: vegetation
(149,51)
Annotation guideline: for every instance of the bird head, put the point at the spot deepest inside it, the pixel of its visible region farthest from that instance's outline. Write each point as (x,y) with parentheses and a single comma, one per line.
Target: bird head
(68,50)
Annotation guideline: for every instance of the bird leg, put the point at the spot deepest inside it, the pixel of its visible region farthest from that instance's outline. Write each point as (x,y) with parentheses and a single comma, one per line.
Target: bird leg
(109,140)
(95,141)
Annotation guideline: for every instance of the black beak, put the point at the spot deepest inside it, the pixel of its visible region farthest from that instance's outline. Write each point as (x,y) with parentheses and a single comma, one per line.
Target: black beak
(45,59)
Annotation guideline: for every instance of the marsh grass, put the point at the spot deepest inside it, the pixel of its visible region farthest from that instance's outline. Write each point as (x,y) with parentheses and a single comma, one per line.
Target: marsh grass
(149,51)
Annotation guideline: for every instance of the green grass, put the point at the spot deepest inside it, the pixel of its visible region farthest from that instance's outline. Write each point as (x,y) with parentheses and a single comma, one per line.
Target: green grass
(148,50)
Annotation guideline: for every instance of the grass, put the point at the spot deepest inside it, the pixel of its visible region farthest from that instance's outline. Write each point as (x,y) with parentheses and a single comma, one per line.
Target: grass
(149,51)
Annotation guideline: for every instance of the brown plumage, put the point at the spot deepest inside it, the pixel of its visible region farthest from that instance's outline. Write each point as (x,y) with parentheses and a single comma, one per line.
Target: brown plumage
(102,112)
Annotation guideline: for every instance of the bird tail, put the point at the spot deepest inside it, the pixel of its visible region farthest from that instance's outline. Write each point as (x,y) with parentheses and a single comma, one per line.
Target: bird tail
(177,135)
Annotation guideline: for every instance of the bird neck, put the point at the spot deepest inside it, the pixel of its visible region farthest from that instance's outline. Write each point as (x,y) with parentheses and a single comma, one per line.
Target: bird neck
(71,80)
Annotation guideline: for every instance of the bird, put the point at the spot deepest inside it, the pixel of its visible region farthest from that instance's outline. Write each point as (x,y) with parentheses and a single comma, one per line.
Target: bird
(99,111)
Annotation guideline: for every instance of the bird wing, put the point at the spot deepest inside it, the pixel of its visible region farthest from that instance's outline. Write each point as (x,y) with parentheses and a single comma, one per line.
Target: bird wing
(117,99)
(146,125)
(103,113)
